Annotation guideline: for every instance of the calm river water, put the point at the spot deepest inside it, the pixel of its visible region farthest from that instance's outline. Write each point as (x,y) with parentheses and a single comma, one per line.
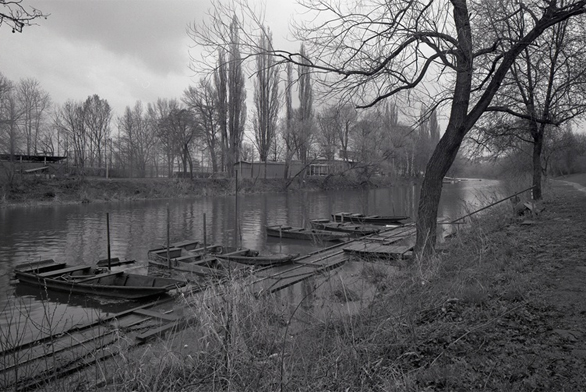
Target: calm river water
(77,233)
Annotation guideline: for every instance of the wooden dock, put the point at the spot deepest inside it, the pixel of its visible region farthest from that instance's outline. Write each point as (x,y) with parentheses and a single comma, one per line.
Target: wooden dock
(390,244)
(274,279)
(27,365)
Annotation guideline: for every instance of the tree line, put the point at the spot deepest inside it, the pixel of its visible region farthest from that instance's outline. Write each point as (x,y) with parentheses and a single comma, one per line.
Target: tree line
(508,75)
(205,129)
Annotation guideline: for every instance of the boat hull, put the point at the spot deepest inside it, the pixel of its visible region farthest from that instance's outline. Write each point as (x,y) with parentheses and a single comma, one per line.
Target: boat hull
(84,280)
(300,233)
(204,265)
(369,219)
(253,258)
(354,229)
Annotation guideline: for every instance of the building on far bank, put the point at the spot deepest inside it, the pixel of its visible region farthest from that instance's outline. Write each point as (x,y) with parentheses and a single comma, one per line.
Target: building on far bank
(317,167)
(29,164)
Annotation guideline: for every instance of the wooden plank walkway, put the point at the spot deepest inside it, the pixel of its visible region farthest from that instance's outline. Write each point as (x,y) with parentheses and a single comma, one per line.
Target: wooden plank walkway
(275,279)
(29,364)
(391,244)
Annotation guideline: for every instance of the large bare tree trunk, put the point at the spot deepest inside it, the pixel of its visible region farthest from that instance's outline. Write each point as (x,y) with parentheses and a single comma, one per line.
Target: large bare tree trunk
(537,148)
(431,190)
(445,152)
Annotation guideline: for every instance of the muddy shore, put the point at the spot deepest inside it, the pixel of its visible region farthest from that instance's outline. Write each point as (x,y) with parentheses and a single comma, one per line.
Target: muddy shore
(41,191)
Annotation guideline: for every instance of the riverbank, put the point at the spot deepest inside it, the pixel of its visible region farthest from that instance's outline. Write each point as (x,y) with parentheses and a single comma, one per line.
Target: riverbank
(43,191)
(500,307)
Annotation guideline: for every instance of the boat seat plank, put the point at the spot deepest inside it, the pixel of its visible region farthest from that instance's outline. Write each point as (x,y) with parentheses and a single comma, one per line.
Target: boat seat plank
(39,263)
(185,243)
(98,276)
(186,257)
(63,271)
(155,314)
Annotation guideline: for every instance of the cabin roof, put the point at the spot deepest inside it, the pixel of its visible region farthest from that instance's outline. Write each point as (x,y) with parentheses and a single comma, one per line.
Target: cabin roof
(31,158)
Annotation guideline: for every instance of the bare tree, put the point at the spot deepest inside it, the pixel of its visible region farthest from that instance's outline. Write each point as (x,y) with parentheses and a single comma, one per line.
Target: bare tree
(201,101)
(16,16)
(380,49)
(69,120)
(287,133)
(266,97)
(304,125)
(9,116)
(236,97)
(545,89)
(327,136)
(97,117)
(34,104)
(377,49)
(158,114)
(136,141)
(221,84)
(180,122)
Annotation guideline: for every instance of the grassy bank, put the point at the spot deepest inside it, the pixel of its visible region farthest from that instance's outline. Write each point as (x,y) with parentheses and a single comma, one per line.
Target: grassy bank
(35,190)
(499,308)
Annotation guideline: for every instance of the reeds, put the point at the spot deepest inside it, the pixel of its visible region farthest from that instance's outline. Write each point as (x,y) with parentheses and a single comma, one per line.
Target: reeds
(374,325)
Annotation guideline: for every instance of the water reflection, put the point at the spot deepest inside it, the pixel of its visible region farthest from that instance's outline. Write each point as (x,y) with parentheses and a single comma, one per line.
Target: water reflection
(77,233)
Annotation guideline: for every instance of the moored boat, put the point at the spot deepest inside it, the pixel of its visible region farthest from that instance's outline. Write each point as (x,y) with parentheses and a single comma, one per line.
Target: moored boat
(188,254)
(86,279)
(114,262)
(354,229)
(253,257)
(301,233)
(369,219)
(203,265)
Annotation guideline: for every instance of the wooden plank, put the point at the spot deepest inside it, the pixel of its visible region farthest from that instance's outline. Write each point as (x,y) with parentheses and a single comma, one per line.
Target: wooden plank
(41,352)
(184,244)
(36,169)
(95,277)
(286,282)
(155,314)
(171,327)
(63,271)
(381,251)
(78,328)
(39,263)
(62,364)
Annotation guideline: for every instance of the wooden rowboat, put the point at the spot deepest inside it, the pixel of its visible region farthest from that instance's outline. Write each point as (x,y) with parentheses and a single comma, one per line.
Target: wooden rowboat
(368,219)
(354,229)
(85,279)
(252,257)
(184,254)
(203,265)
(301,233)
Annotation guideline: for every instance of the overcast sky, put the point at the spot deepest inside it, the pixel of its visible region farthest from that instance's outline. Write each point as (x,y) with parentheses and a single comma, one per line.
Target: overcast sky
(122,50)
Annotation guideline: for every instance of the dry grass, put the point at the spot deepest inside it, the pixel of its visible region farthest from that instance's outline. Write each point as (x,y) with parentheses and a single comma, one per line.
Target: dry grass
(470,317)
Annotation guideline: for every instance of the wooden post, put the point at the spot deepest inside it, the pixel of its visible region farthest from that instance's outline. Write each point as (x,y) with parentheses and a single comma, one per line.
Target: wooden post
(168,237)
(108,236)
(205,244)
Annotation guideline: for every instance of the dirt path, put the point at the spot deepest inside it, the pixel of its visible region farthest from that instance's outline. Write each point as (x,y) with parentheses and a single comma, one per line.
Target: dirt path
(560,254)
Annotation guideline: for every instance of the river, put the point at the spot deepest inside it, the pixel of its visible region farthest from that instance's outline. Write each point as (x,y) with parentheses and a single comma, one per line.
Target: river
(77,234)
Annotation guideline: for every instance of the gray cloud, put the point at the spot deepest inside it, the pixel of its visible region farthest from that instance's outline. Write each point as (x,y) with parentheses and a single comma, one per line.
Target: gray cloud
(150,30)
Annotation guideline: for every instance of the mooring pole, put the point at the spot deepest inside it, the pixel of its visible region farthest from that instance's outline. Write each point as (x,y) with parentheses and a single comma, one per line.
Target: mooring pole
(108,235)
(205,243)
(168,236)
